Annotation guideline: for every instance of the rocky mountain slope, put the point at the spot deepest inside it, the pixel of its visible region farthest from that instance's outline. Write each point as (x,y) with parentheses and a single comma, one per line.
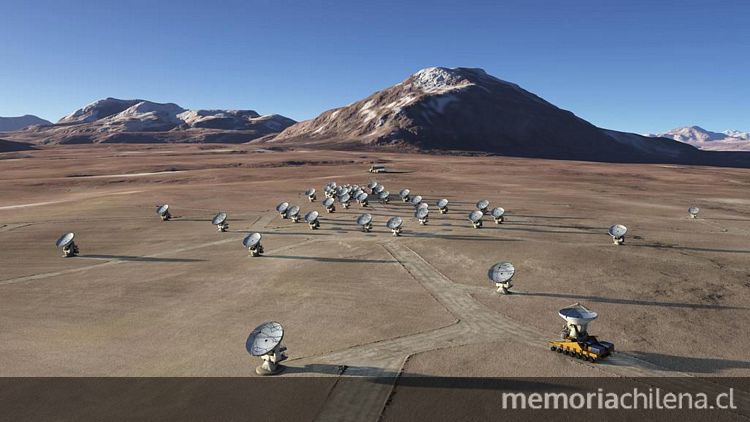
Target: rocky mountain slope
(115,120)
(9,124)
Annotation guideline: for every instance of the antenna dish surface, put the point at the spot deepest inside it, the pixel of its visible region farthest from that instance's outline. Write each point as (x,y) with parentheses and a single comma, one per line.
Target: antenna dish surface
(578,314)
(422,213)
(328,202)
(65,240)
(384,194)
(501,272)
(293,210)
(251,240)
(416,200)
(162,209)
(311,216)
(404,193)
(219,218)
(362,196)
(442,203)
(345,198)
(618,230)
(693,210)
(475,216)
(483,204)
(264,338)
(310,192)
(498,212)
(282,207)
(394,223)
(364,219)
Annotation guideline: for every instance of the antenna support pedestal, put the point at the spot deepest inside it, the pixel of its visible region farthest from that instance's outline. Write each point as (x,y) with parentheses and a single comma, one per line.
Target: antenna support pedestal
(223,227)
(444,210)
(70,251)
(504,288)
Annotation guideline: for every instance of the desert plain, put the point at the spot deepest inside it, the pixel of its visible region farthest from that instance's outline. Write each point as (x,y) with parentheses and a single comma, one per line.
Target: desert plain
(147,298)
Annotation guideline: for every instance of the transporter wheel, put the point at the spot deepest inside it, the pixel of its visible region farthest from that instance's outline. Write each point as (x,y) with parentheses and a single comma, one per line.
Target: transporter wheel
(553,348)
(559,350)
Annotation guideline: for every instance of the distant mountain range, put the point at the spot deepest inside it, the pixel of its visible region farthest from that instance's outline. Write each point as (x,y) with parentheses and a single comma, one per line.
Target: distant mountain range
(141,121)
(9,124)
(729,140)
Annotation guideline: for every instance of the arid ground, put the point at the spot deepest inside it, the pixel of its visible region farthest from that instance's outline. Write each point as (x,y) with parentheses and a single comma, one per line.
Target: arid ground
(178,298)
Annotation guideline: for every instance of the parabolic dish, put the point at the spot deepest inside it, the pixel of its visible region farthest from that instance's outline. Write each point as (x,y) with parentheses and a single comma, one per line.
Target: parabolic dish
(219,218)
(618,230)
(64,240)
(379,188)
(282,207)
(475,216)
(394,223)
(442,203)
(162,209)
(498,212)
(578,314)
(693,210)
(372,184)
(416,200)
(423,205)
(264,338)
(311,216)
(310,192)
(251,240)
(501,272)
(345,198)
(422,213)
(404,193)
(328,202)
(384,194)
(483,204)
(362,196)
(293,210)
(364,219)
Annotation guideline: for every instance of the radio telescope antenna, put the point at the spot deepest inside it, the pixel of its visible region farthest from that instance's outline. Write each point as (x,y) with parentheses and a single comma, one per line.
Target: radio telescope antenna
(442,206)
(293,213)
(404,194)
(283,209)
(344,199)
(618,233)
(500,275)
(395,223)
(312,220)
(693,212)
(423,215)
(220,221)
(365,220)
(329,205)
(498,214)
(383,196)
(476,218)
(252,243)
(362,199)
(68,246)
(163,212)
(483,206)
(416,200)
(265,341)
(310,194)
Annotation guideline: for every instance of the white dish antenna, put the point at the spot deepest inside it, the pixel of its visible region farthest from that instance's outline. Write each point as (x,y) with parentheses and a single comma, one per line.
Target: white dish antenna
(383,194)
(372,184)
(344,198)
(364,219)
(310,192)
(394,223)
(617,230)
(328,204)
(293,210)
(578,314)
(422,213)
(693,211)
(404,194)
(252,240)
(476,218)
(482,205)
(500,275)
(362,197)
(442,203)
(498,214)
(416,200)
(65,240)
(378,189)
(219,219)
(282,207)
(162,209)
(265,342)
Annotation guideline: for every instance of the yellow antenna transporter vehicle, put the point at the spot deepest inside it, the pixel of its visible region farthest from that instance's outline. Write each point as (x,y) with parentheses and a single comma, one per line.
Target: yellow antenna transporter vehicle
(576,341)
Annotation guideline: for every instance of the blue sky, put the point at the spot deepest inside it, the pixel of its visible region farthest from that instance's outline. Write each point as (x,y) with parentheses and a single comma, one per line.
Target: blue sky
(640,66)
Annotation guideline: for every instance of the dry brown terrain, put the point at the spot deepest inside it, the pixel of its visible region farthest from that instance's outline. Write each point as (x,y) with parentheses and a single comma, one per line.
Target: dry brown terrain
(178,298)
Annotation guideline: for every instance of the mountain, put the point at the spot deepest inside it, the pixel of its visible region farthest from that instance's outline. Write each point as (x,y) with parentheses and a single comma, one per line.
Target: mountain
(10,124)
(141,121)
(728,140)
(466,109)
